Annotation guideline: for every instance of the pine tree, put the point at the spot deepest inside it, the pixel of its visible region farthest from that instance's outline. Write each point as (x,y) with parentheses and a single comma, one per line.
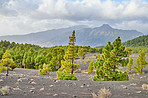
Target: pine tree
(43,71)
(112,57)
(82,52)
(68,65)
(90,67)
(71,50)
(129,65)
(140,63)
(58,55)
(7,61)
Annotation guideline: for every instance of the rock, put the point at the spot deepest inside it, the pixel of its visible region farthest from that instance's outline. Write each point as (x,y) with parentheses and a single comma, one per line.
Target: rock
(31,91)
(87,85)
(74,96)
(51,86)
(1,80)
(21,75)
(82,86)
(33,83)
(19,80)
(63,93)
(55,95)
(32,88)
(124,87)
(138,92)
(3,76)
(133,84)
(16,89)
(42,89)
(141,77)
(17,83)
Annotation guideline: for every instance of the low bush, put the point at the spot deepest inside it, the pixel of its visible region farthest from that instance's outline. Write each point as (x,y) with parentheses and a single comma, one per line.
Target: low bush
(64,76)
(5,90)
(102,93)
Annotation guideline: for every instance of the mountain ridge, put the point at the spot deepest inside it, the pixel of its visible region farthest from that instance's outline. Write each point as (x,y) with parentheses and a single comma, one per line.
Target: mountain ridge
(98,36)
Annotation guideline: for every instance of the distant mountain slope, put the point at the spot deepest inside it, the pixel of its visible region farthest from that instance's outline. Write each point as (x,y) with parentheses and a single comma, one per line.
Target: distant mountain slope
(98,36)
(139,41)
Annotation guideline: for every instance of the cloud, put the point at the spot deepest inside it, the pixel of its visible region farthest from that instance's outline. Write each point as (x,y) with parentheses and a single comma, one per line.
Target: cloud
(26,16)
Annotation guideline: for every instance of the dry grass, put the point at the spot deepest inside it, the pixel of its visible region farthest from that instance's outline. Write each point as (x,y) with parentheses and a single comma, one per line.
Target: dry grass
(5,90)
(102,93)
(145,86)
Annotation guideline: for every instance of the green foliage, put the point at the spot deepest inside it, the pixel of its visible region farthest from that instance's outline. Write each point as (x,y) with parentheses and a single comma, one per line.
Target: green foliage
(140,63)
(58,55)
(43,71)
(136,42)
(129,65)
(82,52)
(98,56)
(129,50)
(63,72)
(63,76)
(68,65)
(33,56)
(112,57)
(90,67)
(7,61)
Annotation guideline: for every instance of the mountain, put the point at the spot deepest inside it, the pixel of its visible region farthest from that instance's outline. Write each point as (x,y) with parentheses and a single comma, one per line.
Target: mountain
(139,41)
(98,36)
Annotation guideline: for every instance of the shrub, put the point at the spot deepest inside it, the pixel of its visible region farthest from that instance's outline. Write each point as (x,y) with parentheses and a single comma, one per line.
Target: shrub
(145,86)
(44,70)
(90,67)
(102,93)
(64,76)
(64,72)
(113,76)
(5,90)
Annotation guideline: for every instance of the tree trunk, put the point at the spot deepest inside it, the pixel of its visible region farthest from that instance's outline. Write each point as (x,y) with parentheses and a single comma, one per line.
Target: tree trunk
(60,64)
(7,71)
(72,67)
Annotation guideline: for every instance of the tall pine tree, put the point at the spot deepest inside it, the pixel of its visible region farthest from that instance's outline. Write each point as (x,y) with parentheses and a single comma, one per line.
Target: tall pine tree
(68,66)
(71,50)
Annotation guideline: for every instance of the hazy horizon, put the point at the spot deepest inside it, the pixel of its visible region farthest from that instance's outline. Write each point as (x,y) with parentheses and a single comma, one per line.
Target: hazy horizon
(20,17)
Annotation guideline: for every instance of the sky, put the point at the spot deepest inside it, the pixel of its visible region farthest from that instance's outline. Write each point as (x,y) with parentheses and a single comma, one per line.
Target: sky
(19,17)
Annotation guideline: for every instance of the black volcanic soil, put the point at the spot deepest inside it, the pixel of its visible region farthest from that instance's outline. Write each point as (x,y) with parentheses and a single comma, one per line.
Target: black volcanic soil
(27,83)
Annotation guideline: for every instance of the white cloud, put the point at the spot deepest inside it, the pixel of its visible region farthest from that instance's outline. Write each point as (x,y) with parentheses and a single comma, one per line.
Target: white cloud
(26,16)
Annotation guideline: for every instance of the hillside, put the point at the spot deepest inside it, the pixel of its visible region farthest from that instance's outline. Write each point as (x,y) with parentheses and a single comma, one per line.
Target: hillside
(97,36)
(139,41)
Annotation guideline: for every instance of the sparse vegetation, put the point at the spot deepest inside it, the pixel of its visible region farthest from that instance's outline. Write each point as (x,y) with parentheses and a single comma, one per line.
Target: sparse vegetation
(102,93)
(145,86)
(5,90)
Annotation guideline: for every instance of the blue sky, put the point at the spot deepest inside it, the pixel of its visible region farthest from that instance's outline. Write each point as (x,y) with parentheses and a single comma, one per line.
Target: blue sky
(27,16)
